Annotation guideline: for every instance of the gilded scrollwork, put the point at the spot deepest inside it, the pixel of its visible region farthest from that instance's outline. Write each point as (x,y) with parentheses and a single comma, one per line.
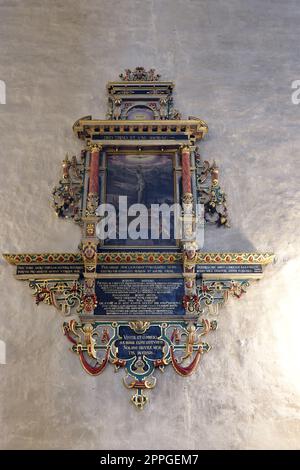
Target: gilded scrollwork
(92,204)
(139,74)
(139,326)
(178,343)
(86,343)
(67,195)
(66,296)
(214,293)
(210,193)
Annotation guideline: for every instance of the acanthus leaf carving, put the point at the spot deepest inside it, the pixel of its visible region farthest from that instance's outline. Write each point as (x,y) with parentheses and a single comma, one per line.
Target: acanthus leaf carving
(210,193)
(67,195)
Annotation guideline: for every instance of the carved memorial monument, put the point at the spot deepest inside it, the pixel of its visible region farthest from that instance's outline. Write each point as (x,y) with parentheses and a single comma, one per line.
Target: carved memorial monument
(141,293)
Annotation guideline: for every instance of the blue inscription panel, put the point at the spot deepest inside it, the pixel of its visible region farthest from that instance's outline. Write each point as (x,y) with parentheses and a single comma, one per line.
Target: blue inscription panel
(132,344)
(136,297)
(36,269)
(139,269)
(228,268)
(139,136)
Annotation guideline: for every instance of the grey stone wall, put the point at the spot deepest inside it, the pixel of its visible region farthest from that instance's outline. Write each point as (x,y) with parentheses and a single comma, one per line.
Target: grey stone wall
(233,63)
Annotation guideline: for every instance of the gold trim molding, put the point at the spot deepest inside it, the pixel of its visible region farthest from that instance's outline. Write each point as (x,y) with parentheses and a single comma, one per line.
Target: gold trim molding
(140,257)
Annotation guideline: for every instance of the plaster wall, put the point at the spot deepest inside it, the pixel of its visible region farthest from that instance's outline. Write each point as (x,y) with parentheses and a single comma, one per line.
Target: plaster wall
(233,63)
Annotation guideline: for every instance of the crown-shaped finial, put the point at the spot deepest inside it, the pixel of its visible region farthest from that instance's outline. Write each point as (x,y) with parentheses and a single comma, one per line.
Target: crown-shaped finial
(139,74)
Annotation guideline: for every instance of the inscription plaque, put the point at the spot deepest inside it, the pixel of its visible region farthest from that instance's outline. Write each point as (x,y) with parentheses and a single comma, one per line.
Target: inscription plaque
(139,269)
(136,297)
(134,344)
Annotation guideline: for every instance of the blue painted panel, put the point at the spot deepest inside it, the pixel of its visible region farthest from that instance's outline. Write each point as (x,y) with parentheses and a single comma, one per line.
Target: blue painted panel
(136,297)
(142,179)
(139,269)
(134,344)
(228,268)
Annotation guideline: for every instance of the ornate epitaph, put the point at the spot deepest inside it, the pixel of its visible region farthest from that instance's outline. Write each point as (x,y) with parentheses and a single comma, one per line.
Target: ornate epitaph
(139,304)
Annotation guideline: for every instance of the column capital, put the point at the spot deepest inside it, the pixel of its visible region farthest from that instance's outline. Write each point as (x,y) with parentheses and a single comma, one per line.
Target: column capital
(93,147)
(185,148)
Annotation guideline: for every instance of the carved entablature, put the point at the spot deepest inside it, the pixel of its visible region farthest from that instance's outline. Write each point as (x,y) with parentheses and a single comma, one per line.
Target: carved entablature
(141,97)
(139,299)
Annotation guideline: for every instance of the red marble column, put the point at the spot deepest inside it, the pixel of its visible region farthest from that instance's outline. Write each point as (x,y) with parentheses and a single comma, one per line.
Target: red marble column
(186,171)
(94,171)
